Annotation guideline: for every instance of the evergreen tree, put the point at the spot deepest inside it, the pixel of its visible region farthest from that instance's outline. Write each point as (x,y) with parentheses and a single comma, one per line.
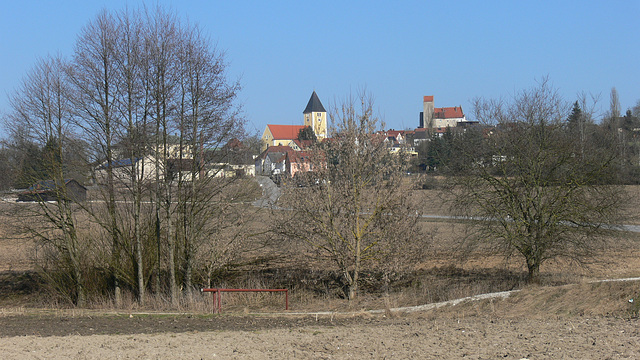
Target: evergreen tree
(32,167)
(575,118)
(307,133)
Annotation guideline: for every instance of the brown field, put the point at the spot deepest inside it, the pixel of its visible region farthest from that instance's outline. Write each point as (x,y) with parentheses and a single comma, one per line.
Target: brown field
(585,321)
(565,317)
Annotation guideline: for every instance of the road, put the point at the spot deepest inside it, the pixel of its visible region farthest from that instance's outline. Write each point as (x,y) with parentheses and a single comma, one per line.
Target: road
(270,192)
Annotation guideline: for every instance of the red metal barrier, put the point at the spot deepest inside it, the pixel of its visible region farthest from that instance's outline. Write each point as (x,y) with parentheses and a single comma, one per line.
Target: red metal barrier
(217,295)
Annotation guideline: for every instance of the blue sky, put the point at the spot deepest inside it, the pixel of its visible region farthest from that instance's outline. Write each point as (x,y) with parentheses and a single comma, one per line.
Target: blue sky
(398,50)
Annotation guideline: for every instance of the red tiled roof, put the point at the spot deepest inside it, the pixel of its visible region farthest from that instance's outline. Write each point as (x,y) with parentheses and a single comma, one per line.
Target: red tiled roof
(394,133)
(234,144)
(275,149)
(285,132)
(428,98)
(378,138)
(298,156)
(303,144)
(448,112)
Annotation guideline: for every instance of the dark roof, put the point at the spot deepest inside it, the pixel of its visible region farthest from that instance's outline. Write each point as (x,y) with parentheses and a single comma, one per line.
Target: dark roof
(48,185)
(314,105)
(280,150)
(276,157)
(119,163)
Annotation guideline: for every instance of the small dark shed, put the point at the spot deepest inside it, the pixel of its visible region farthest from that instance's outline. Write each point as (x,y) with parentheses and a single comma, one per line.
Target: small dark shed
(49,190)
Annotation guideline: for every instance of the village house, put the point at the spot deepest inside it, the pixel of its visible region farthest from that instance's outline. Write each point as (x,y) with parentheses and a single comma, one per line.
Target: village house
(122,170)
(272,161)
(397,140)
(233,159)
(227,170)
(50,190)
(297,162)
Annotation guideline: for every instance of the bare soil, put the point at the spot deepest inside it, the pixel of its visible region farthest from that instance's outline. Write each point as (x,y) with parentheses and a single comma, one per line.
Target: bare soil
(414,338)
(585,321)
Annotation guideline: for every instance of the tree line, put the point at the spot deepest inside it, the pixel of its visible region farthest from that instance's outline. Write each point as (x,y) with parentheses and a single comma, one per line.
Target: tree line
(146,94)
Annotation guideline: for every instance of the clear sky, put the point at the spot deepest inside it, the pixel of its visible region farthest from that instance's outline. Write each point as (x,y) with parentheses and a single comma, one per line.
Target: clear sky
(399,50)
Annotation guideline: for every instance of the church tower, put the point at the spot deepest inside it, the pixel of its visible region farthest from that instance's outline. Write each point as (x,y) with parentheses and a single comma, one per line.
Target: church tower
(316,116)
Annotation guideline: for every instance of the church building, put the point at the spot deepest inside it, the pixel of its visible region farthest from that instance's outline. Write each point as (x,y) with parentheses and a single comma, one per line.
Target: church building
(435,118)
(314,115)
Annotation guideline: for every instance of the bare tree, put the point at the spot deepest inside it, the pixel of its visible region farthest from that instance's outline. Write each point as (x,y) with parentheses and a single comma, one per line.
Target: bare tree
(635,111)
(614,104)
(161,39)
(207,118)
(41,107)
(139,81)
(133,115)
(354,208)
(533,195)
(581,120)
(93,74)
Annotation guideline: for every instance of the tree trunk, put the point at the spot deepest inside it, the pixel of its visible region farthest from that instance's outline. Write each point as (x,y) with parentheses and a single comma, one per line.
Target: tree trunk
(113,225)
(138,244)
(353,289)
(156,277)
(533,266)
(71,245)
(173,286)
(80,296)
(351,279)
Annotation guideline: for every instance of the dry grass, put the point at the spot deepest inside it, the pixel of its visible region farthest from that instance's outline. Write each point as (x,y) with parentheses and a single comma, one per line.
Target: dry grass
(442,275)
(633,205)
(544,303)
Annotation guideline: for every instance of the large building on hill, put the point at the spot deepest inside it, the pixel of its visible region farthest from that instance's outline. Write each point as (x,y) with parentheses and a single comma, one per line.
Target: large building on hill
(439,118)
(314,116)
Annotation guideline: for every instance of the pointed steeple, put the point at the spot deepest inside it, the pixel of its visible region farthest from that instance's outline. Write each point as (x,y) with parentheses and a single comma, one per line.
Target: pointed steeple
(314,105)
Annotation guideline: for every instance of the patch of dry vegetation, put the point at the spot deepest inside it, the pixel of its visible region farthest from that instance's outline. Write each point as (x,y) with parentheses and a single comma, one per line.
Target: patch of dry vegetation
(443,274)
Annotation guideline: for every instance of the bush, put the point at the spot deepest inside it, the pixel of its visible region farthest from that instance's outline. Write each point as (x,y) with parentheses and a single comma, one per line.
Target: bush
(428,183)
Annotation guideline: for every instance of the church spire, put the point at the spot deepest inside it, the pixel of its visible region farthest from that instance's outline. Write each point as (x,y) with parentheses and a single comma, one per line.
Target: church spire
(314,105)
(315,116)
